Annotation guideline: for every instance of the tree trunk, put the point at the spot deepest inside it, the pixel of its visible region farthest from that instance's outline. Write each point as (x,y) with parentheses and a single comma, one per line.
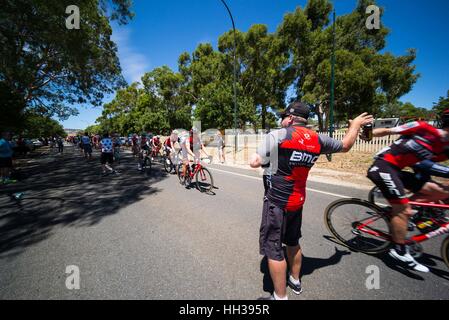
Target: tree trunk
(319,113)
(264,116)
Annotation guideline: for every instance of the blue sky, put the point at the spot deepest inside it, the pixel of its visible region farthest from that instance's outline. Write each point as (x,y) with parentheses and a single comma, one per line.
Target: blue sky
(162,30)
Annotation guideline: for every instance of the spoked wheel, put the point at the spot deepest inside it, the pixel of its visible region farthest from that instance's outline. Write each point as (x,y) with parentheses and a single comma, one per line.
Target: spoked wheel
(168,165)
(445,251)
(359,225)
(146,168)
(180,177)
(204,180)
(185,181)
(375,196)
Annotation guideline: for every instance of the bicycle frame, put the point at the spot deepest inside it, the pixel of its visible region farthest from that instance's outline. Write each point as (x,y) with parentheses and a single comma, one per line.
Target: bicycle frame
(198,167)
(443,228)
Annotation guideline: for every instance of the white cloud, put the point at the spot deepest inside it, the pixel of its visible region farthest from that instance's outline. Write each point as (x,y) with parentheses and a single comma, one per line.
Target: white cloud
(133,63)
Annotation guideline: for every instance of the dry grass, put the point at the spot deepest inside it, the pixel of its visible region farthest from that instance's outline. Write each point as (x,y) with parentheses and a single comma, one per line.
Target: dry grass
(352,162)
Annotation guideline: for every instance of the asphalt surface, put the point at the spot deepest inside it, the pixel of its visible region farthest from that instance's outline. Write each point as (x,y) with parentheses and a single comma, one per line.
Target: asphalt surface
(139,237)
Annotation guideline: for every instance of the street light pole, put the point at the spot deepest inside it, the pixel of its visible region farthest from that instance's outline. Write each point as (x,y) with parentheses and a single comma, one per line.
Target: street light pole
(332,95)
(235,76)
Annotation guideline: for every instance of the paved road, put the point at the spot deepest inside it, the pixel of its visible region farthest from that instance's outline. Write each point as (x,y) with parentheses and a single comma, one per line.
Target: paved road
(134,237)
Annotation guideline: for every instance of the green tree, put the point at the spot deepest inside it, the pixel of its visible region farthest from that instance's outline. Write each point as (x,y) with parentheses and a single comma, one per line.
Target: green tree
(39,126)
(261,60)
(47,67)
(166,88)
(441,105)
(365,79)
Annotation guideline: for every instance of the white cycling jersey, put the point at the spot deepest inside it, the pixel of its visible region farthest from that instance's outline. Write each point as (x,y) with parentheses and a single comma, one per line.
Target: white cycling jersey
(196,147)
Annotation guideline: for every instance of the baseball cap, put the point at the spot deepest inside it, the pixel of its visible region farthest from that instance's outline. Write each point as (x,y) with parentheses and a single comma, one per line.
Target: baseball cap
(298,109)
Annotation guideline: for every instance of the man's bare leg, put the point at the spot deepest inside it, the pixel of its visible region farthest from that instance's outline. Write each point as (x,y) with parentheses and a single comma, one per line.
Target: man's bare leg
(278,273)
(295,260)
(432,192)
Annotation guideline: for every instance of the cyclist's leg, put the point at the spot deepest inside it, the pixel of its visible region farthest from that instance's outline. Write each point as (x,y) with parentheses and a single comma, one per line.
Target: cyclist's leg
(432,191)
(387,178)
(196,159)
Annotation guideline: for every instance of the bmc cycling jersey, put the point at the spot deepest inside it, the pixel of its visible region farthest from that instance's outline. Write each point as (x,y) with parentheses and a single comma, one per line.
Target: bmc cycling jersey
(168,143)
(294,150)
(419,141)
(156,141)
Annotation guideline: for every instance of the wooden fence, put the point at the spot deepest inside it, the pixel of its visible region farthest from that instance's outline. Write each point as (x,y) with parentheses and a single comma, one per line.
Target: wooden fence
(247,144)
(373,146)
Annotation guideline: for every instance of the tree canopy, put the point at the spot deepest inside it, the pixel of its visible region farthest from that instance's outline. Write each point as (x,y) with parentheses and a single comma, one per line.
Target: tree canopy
(46,67)
(295,58)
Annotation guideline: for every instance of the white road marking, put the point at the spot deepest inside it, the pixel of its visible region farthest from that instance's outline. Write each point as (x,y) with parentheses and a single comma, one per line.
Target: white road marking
(259,178)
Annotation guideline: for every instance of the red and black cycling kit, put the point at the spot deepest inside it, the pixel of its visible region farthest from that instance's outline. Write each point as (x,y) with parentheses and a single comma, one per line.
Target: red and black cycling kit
(419,141)
(290,152)
(294,150)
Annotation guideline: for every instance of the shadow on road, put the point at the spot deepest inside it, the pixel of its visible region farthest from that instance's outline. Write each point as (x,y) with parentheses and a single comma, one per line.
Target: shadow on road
(66,190)
(309,265)
(426,259)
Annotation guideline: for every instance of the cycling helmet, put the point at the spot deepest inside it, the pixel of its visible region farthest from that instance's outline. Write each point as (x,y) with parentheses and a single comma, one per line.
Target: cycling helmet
(175,132)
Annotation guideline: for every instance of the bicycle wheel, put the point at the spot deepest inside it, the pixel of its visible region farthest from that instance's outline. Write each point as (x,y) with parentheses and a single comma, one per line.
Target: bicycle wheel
(445,251)
(204,180)
(375,196)
(181,178)
(168,165)
(146,168)
(359,225)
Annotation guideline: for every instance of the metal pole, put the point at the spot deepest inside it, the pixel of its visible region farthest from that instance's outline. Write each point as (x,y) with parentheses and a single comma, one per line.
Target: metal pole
(235,76)
(332,96)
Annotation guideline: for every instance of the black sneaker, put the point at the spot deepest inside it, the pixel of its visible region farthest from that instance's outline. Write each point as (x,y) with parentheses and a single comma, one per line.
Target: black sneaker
(297,289)
(267,298)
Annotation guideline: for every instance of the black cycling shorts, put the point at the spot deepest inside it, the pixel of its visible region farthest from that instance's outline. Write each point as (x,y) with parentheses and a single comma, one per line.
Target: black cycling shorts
(278,227)
(107,157)
(87,148)
(388,178)
(413,181)
(6,162)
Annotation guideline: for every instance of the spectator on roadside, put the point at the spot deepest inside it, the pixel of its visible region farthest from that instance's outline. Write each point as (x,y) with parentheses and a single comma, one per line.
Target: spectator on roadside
(117,143)
(60,145)
(292,152)
(21,146)
(86,146)
(220,147)
(5,158)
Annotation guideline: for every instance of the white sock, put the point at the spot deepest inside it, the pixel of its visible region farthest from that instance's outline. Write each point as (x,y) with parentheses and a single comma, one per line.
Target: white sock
(295,281)
(278,298)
